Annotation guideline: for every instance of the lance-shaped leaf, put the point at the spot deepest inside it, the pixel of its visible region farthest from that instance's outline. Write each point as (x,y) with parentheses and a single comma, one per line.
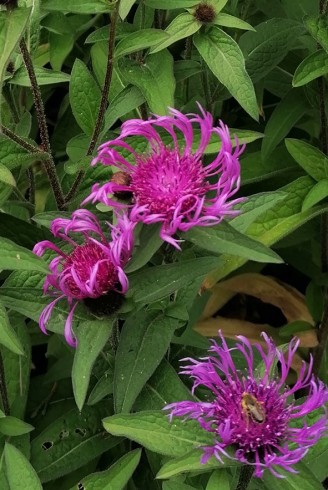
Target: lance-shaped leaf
(225,59)
(14,257)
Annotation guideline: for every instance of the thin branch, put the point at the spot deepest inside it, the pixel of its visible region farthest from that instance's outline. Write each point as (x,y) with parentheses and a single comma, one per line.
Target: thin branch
(3,388)
(20,141)
(246,473)
(31,185)
(103,102)
(49,164)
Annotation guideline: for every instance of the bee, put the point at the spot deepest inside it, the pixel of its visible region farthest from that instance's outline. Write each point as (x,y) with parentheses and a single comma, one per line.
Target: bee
(252,408)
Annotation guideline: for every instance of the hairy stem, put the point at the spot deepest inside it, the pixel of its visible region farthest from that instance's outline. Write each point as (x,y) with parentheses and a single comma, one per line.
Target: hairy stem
(20,141)
(49,164)
(3,388)
(31,185)
(246,473)
(103,102)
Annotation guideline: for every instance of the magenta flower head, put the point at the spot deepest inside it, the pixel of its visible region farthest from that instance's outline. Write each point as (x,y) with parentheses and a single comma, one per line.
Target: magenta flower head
(90,271)
(253,412)
(169,183)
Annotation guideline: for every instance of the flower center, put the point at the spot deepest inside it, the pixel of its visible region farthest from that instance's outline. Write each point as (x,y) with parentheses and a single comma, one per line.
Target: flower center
(258,416)
(166,179)
(89,272)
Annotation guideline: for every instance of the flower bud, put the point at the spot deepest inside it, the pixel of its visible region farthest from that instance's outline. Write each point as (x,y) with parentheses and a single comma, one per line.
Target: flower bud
(204,13)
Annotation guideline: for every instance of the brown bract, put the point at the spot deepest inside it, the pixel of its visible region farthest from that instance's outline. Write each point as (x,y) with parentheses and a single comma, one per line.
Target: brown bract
(204,13)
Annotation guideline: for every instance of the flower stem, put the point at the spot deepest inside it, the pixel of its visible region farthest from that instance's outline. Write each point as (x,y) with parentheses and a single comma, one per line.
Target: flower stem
(49,165)
(103,102)
(31,185)
(3,388)
(246,473)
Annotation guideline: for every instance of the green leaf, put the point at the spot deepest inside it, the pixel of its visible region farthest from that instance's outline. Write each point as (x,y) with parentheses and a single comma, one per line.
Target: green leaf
(144,340)
(182,26)
(34,24)
(125,7)
(76,6)
(316,458)
(22,292)
(170,4)
(254,207)
(157,282)
(13,155)
(272,226)
(7,182)
(225,59)
(139,40)
(12,25)
(128,100)
(285,115)
(314,66)
(314,162)
(45,219)
(227,20)
(268,46)
(20,472)
(6,177)
(154,78)
(8,337)
(219,479)
(192,462)
(316,194)
(14,257)
(318,28)
(70,441)
(99,56)
(102,388)
(11,426)
(91,339)
(60,47)
(162,388)
(255,168)
(17,368)
(176,485)
(84,95)
(223,238)
(149,241)
(116,477)
(304,479)
(154,431)
(43,76)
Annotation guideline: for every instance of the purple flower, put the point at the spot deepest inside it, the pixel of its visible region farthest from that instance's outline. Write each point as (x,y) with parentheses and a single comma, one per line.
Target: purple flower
(89,270)
(170,184)
(254,412)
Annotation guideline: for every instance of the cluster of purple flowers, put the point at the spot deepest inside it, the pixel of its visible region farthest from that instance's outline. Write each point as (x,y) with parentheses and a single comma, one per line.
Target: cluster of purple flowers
(169,184)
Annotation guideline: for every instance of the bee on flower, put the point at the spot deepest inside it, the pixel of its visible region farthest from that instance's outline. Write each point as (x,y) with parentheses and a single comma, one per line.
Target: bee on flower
(252,412)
